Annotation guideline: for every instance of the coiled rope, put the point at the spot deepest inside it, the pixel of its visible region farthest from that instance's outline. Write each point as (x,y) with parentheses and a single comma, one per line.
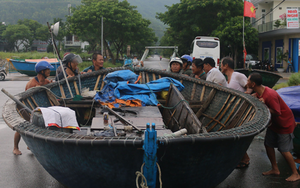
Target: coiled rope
(143,184)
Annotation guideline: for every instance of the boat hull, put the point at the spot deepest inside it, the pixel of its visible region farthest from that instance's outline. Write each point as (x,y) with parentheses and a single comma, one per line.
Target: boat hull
(195,160)
(28,68)
(184,164)
(269,78)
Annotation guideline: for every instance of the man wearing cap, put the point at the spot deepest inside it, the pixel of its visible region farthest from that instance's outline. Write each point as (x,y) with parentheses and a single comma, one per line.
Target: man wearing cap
(70,63)
(176,65)
(98,61)
(187,62)
(213,74)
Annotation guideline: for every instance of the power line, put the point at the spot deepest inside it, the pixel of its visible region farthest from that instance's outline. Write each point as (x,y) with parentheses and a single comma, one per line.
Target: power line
(268,12)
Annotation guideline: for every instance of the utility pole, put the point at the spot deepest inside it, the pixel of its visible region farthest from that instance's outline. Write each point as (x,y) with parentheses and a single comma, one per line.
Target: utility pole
(102,35)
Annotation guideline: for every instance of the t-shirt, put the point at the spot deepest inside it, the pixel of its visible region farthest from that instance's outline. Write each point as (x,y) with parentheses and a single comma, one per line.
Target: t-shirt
(215,76)
(238,81)
(91,68)
(284,122)
(202,76)
(187,72)
(34,82)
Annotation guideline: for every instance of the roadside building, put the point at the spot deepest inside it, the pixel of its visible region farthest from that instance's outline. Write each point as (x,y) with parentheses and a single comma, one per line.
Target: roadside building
(277,35)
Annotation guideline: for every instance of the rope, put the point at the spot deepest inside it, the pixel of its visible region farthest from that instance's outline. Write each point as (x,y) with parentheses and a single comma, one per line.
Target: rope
(144,180)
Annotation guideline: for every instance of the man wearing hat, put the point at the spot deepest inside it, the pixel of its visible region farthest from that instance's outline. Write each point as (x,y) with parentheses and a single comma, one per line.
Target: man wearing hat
(176,65)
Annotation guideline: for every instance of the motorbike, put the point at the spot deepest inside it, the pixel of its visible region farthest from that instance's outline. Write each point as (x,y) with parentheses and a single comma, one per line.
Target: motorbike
(3,73)
(267,66)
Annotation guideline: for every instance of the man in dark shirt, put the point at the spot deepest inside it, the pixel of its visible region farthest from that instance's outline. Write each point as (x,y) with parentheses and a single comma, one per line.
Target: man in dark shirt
(97,63)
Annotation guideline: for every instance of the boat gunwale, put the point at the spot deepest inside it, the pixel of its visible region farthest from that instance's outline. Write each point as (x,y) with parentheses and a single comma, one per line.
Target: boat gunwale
(234,133)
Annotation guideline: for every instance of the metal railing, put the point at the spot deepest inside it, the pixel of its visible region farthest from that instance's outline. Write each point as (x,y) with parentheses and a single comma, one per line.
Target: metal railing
(270,26)
(71,43)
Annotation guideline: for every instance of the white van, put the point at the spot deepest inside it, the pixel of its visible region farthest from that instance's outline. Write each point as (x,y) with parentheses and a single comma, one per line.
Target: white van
(203,47)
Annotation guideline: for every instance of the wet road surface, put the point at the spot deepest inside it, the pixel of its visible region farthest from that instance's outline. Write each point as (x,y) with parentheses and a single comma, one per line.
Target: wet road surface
(25,172)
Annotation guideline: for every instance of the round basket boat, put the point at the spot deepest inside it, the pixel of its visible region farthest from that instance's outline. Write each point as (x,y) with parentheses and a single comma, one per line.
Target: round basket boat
(198,159)
(269,78)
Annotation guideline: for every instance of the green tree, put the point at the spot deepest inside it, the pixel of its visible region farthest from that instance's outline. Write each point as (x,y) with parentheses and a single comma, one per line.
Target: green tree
(191,18)
(17,35)
(123,25)
(230,34)
(33,26)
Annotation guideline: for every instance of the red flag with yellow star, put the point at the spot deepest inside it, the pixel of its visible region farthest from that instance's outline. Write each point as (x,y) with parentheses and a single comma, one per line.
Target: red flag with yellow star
(249,10)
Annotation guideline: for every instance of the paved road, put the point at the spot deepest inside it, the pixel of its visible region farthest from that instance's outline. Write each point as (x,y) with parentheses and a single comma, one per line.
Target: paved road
(25,172)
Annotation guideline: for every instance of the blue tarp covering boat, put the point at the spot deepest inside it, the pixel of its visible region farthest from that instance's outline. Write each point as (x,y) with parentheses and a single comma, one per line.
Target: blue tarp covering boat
(291,96)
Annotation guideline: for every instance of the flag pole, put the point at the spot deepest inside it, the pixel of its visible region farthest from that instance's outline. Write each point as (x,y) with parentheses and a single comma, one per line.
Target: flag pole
(244,33)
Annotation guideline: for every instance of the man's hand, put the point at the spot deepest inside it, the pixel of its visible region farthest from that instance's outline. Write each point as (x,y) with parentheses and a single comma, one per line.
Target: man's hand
(90,70)
(262,100)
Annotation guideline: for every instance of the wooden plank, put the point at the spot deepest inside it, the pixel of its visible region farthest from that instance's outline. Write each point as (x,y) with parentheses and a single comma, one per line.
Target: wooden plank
(147,77)
(222,115)
(232,111)
(141,77)
(102,84)
(153,76)
(246,116)
(34,101)
(172,114)
(206,104)
(220,110)
(97,82)
(31,106)
(76,88)
(62,92)
(213,120)
(237,116)
(202,93)
(193,91)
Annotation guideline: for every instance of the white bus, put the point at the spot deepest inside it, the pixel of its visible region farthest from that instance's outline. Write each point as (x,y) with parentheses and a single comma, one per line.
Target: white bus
(203,47)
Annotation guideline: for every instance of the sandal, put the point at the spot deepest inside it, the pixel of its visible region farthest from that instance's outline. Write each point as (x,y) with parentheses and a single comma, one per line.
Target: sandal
(242,165)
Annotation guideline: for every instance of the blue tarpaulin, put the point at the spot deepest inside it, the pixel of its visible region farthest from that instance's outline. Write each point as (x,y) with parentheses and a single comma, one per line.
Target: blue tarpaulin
(291,96)
(117,87)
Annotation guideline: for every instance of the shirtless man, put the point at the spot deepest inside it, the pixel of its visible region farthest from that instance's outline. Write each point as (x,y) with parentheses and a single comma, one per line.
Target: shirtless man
(42,69)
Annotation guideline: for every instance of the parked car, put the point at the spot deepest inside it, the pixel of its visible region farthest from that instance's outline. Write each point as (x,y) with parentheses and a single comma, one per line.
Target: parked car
(253,60)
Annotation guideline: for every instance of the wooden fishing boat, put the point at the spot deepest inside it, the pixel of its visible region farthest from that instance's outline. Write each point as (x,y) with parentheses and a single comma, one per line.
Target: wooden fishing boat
(221,124)
(27,66)
(269,78)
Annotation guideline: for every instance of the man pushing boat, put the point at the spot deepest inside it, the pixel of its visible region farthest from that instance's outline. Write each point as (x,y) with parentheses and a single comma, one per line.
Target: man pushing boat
(42,69)
(280,133)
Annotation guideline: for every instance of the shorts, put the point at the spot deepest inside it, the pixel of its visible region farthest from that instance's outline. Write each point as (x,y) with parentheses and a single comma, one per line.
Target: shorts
(284,142)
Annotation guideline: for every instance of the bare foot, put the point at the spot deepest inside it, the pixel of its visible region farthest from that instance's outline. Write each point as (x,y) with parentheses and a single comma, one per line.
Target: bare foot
(271,172)
(17,152)
(293,177)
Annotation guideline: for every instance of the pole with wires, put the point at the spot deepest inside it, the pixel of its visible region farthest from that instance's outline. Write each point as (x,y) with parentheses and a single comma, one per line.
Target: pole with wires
(59,58)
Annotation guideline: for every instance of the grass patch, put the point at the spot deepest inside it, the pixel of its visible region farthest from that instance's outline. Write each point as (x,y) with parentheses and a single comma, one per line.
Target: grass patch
(26,55)
(294,80)
(281,85)
(107,64)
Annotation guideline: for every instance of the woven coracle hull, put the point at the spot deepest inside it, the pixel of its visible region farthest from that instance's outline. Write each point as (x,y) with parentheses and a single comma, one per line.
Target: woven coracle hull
(231,118)
(269,78)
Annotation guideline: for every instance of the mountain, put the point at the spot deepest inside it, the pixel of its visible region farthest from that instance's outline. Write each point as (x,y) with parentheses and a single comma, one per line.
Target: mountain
(45,10)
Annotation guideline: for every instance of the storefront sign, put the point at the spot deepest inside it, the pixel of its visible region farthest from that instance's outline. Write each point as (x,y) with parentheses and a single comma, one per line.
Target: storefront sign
(292,18)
